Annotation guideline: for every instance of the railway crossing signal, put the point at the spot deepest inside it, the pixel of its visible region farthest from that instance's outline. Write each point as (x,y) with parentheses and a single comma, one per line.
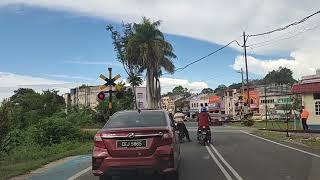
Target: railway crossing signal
(110,84)
(101,96)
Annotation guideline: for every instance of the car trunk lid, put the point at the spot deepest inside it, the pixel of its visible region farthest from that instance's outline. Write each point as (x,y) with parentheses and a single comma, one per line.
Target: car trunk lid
(133,142)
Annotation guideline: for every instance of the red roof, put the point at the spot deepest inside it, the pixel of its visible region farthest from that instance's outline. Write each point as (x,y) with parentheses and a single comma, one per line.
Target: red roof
(306,88)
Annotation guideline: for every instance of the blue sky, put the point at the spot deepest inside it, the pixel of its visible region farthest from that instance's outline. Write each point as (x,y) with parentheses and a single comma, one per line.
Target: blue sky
(67,47)
(57,43)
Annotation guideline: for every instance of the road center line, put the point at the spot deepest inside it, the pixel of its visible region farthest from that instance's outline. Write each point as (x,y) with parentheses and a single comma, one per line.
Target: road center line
(306,152)
(79,173)
(224,171)
(234,172)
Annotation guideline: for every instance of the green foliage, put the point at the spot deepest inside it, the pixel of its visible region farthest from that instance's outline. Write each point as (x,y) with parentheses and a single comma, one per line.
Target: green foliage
(141,47)
(79,117)
(179,90)
(220,89)
(206,91)
(34,130)
(281,76)
(135,80)
(119,103)
(52,102)
(168,94)
(147,48)
(297,102)
(26,158)
(247,122)
(55,131)
(235,86)
(5,125)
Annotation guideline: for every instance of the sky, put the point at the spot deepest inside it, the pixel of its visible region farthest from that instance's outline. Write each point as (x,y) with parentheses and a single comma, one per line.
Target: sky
(62,44)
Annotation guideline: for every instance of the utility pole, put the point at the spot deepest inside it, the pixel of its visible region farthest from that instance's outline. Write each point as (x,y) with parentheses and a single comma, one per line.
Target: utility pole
(246,62)
(241,70)
(110,90)
(265,102)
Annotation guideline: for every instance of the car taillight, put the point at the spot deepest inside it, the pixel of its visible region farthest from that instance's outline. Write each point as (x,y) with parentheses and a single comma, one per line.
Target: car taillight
(98,142)
(203,127)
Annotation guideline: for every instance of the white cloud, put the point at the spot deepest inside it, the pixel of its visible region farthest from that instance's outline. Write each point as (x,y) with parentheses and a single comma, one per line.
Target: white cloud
(212,20)
(217,21)
(10,82)
(93,63)
(262,67)
(167,84)
(68,76)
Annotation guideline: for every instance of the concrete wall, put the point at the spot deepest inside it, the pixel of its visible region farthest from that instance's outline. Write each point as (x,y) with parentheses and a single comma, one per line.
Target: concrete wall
(168,104)
(85,96)
(309,103)
(198,100)
(141,94)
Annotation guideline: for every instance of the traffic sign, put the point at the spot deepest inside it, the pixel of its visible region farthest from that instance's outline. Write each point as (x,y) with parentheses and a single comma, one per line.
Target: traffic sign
(110,83)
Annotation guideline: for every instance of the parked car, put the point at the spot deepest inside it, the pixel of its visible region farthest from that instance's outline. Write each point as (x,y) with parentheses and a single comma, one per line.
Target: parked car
(138,142)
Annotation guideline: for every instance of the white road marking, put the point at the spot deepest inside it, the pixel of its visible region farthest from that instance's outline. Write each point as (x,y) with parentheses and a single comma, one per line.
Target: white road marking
(80,173)
(306,152)
(234,172)
(224,171)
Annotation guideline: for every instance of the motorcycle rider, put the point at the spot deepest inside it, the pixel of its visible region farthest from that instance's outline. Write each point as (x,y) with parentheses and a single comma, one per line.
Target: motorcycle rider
(204,122)
(179,118)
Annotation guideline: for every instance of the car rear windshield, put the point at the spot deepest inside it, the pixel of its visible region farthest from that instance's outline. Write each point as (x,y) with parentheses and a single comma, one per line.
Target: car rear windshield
(135,119)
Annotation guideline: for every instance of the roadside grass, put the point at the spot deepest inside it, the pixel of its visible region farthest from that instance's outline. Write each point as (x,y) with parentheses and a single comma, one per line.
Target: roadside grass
(269,125)
(93,126)
(306,140)
(27,158)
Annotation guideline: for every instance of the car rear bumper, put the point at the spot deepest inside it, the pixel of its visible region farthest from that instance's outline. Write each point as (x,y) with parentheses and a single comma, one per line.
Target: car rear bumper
(160,162)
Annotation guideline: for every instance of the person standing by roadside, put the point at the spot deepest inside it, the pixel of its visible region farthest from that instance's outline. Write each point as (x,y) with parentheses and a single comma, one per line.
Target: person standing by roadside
(304,117)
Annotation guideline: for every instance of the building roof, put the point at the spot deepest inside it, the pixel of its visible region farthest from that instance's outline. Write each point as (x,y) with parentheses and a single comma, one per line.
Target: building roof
(306,88)
(308,84)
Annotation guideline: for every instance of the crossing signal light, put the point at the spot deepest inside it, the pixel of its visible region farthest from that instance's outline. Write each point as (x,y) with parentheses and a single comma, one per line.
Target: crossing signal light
(101,96)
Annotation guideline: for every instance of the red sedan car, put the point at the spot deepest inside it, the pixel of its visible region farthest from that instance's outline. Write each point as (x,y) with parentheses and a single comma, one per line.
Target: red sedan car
(137,142)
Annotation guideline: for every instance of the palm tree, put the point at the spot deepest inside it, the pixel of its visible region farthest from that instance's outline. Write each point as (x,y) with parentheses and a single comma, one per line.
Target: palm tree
(135,81)
(120,42)
(148,48)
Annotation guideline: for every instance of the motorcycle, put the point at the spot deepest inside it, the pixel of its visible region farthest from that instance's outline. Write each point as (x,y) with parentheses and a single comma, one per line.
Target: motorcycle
(204,135)
(181,134)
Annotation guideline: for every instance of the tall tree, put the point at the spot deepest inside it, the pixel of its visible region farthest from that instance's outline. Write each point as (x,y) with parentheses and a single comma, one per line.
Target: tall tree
(206,91)
(179,90)
(135,81)
(235,85)
(148,48)
(219,90)
(132,68)
(281,76)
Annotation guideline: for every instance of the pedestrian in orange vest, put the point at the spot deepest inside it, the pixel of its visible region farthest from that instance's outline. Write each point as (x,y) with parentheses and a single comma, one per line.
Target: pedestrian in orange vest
(304,117)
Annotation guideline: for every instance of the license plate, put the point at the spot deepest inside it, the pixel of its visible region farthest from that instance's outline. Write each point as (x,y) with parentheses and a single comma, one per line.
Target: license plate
(132,143)
(204,132)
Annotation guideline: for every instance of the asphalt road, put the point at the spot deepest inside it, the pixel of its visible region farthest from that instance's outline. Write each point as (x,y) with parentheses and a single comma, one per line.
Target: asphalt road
(234,154)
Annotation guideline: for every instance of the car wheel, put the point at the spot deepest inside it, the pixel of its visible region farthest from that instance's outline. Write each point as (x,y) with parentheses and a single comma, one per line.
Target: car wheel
(105,177)
(172,176)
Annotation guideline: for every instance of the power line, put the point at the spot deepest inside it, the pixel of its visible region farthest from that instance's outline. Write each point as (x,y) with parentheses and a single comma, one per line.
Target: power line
(285,27)
(292,34)
(217,50)
(266,43)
